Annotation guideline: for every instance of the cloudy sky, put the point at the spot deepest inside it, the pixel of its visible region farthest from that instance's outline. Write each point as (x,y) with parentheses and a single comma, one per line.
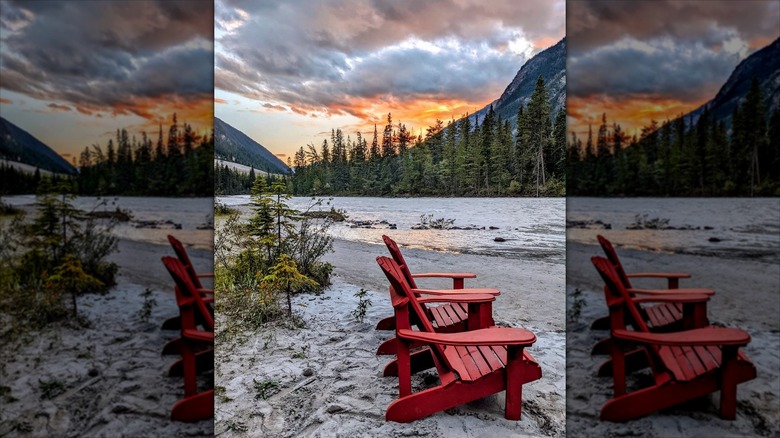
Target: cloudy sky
(287,72)
(646,60)
(73,72)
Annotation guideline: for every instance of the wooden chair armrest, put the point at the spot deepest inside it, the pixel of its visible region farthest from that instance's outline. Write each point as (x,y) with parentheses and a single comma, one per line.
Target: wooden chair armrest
(444,275)
(717,336)
(204,291)
(684,291)
(198,335)
(488,336)
(471,291)
(659,275)
(669,298)
(462,298)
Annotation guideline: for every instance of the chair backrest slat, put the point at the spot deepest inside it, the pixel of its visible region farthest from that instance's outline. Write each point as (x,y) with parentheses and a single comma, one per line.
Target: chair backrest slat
(401,287)
(609,250)
(184,285)
(395,252)
(616,291)
(181,253)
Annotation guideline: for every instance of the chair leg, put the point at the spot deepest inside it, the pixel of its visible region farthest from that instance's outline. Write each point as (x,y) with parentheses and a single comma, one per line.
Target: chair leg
(514,383)
(602,347)
(172,323)
(600,324)
(634,360)
(172,347)
(728,385)
(424,403)
(194,408)
(204,361)
(419,360)
(386,324)
(387,347)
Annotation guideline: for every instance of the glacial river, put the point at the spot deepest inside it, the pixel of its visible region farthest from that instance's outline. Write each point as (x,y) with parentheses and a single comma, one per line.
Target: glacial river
(532,228)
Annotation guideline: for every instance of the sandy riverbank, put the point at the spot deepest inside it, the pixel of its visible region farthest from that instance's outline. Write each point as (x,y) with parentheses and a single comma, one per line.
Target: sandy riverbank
(325,380)
(108,379)
(747,297)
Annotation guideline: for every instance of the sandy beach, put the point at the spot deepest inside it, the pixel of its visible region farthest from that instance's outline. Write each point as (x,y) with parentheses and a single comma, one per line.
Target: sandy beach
(325,379)
(109,379)
(747,297)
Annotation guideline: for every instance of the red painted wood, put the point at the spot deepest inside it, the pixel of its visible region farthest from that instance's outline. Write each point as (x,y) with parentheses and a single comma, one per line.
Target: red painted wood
(471,364)
(195,345)
(686,364)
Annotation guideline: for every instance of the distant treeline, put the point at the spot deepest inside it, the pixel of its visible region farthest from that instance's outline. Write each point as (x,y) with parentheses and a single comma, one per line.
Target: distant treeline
(179,165)
(228,181)
(461,159)
(682,158)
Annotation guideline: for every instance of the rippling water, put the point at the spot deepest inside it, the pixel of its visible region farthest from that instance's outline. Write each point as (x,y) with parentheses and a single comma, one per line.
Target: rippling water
(189,212)
(745,228)
(534,228)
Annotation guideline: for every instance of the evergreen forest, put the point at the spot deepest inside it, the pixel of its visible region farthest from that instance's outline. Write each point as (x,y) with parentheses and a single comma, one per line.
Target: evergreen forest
(179,164)
(683,157)
(467,157)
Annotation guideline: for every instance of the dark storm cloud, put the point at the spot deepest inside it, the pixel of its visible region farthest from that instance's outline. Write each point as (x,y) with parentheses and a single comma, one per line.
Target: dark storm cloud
(97,55)
(596,23)
(628,71)
(678,49)
(315,55)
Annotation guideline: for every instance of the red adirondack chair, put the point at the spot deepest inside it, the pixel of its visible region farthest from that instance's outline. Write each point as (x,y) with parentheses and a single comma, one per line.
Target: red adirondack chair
(662,317)
(181,253)
(471,365)
(686,365)
(208,294)
(196,346)
(449,317)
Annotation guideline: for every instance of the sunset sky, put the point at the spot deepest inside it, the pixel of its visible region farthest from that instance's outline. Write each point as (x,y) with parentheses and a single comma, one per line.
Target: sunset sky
(288,72)
(73,72)
(646,60)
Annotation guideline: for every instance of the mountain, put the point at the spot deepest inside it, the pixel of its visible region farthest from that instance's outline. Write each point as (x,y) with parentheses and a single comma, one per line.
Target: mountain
(16,144)
(764,65)
(551,65)
(230,144)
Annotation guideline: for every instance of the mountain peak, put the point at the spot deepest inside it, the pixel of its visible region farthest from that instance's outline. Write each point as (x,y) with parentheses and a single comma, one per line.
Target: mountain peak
(550,64)
(230,144)
(18,145)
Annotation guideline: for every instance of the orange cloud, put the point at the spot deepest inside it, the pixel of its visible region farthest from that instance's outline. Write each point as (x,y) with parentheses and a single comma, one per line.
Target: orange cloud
(218,100)
(4,100)
(631,115)
(417,114)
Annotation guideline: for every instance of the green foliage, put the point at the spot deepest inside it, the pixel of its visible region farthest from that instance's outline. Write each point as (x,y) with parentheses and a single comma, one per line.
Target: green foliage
(221,209)
(70,276)
(149,302)
(284,276)
(131,166)
(265,388)
(175,167)
(276,252)
(683,157)
(463,158)
(363,304)
(61,251)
